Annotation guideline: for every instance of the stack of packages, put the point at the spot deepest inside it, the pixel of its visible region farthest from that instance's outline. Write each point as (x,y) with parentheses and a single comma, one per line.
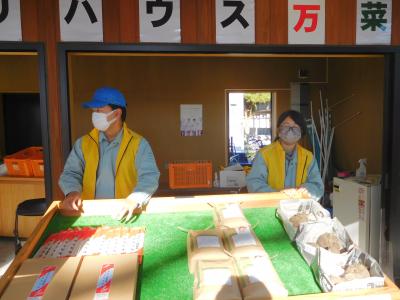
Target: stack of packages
(325,245)
(82,263)
(93,241)
(229,262)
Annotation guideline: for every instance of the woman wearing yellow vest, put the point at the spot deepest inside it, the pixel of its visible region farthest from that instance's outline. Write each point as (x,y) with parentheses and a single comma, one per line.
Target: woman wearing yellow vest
(285,166)
(111,161)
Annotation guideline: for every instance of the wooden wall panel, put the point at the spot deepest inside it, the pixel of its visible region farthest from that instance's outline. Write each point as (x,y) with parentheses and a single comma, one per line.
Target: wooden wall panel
(205,21)
(263,21)
(189,21)
(340,22)
(29,20)
(111,21)
(129,21)
(395,22)
(279,22)
(49,32)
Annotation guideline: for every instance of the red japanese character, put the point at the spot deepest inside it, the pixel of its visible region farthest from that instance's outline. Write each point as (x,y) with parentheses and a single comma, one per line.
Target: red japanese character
(305,15)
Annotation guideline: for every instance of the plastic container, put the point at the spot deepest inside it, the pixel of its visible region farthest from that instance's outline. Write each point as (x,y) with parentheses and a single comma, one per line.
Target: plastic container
(190,174)
(27,162)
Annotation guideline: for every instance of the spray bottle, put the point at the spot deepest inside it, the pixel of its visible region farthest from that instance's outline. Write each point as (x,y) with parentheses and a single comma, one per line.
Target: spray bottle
(362,169)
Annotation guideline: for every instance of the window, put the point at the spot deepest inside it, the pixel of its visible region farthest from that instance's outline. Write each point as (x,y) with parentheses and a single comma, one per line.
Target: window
(250,122)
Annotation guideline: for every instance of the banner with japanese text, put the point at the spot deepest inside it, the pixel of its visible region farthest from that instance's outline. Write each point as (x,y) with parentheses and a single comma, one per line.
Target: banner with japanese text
(374,22)
(81,20)
(306,22)
(10,20)
(235,21)
(160,21)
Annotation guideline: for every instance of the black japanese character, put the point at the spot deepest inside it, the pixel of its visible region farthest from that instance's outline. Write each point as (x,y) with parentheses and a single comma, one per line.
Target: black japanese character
(159,3)
(72,10)
(4,10)
(236,15)
(373,14)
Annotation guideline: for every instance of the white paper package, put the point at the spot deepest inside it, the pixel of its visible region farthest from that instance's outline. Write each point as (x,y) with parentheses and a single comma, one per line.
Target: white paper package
(331,269)
(292,212)
(309,234)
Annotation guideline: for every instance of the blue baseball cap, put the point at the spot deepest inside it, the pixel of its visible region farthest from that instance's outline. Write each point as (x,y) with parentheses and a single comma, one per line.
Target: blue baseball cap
(105,96)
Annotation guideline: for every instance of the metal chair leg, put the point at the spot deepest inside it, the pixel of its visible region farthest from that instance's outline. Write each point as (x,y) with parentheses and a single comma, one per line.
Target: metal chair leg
(17,242)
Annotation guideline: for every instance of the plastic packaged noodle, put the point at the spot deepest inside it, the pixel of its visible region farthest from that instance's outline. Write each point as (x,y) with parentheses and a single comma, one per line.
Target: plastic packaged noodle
(229,216)
(345,272)
(216,280)
(205,245)
(242,242)
(329,234)
(258,279)
(294,212)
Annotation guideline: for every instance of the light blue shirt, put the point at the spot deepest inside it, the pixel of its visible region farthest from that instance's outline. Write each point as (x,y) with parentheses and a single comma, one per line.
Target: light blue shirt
(257,178)
(148,174)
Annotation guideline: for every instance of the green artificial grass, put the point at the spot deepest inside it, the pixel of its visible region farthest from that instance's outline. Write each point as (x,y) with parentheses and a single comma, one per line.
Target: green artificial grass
(165,273)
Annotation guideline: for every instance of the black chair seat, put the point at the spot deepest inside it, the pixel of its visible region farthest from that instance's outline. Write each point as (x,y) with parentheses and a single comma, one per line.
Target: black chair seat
(32,207)
(28,208)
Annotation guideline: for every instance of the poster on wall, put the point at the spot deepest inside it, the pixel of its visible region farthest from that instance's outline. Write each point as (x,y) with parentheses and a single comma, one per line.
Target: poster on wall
(10,20)
(160,21)
(81,21)
(374,22)
(306,21)
(191,119)
(235,22)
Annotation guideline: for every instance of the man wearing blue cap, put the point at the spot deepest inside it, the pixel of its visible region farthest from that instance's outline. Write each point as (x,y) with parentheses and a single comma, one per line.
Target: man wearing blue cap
(110,162)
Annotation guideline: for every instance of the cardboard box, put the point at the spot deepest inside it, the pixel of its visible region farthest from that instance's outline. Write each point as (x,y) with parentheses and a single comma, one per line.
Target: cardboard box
(232,178)
(106,277)
(49,278)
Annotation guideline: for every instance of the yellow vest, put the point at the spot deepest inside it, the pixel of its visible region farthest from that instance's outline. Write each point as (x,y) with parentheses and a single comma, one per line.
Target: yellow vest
(274,157)
(126,173)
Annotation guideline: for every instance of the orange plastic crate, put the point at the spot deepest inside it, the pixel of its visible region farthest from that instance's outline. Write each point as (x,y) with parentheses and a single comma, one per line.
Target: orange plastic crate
(190,175)
(25,162)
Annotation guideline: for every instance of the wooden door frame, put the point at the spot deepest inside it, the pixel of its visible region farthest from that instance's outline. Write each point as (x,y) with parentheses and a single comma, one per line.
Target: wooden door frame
(391,134)
(39,48)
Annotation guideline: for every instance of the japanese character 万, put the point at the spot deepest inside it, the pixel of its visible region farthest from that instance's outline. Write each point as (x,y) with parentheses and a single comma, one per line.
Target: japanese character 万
(72,10)
(4,10)
(168,5)
(236,15)
(304,15)
(373,15)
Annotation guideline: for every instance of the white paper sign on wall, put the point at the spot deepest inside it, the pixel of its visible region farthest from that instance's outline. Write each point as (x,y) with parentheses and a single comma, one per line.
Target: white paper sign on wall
(306,21)
(235,21)
(160,21)
(81,20)
(374,22)
(10,20)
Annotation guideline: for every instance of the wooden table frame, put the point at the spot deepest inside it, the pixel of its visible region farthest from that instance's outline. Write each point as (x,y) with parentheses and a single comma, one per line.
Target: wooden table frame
(181,204)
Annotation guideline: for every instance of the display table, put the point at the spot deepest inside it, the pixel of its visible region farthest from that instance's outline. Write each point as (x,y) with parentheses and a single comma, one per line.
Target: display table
(14,190)
(164,274)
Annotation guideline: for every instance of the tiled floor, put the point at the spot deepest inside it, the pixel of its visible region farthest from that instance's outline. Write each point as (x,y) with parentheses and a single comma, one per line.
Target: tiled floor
(6,253)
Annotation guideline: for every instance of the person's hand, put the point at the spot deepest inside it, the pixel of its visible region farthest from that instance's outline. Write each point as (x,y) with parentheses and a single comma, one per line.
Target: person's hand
(73,201)
(303,192)
(299,193)
(291,193)
(129,208)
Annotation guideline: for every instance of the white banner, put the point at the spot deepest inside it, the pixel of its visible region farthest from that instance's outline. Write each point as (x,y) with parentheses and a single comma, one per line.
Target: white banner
(81,20)
(306,21)
(10,20)
(374,22)
(160,21)
(235,21)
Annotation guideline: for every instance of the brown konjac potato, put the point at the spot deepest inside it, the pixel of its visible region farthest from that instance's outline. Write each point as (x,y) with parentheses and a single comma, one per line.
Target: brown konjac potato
(329,241)
(298,218)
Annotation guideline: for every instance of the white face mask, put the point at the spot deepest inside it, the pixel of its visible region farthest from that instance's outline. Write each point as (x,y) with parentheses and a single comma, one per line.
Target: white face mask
(100,121)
